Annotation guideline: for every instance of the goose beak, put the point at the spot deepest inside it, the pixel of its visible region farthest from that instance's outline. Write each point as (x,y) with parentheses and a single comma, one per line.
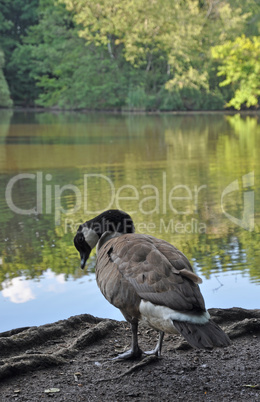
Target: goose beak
(84,256)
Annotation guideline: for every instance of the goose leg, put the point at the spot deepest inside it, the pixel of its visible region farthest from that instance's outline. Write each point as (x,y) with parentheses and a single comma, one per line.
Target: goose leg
(158,347)
(135,351)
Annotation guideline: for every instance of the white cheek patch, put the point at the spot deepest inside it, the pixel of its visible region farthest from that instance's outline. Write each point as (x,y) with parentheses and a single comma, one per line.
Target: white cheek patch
(90,236)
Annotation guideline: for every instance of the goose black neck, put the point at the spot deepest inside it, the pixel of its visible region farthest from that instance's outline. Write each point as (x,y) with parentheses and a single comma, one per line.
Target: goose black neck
(112,220)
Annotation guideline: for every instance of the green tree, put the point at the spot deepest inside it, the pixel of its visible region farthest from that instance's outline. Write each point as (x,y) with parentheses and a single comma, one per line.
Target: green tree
(134,54)
(181,33)
(240,65)
(69,74)
(5,100)
(145,31)
(16,17)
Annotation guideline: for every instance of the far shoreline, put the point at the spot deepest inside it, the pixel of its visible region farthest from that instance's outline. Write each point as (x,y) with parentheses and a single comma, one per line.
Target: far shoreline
(132,111)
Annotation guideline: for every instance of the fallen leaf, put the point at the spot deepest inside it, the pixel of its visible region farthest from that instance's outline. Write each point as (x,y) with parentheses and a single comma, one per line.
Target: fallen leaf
(252,386)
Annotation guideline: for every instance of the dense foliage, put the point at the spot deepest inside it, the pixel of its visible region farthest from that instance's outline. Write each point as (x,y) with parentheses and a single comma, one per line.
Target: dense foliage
(156,55)
(241,67)
(5,100)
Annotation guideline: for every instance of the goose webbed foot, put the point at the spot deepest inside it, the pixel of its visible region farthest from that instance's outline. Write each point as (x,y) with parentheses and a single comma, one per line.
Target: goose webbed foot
(158,348)
(129,354)
(154,352)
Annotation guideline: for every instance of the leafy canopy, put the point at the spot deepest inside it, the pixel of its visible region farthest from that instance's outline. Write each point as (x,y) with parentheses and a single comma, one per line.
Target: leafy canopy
(153,55)
(179,32)
(240,65)
(5,100)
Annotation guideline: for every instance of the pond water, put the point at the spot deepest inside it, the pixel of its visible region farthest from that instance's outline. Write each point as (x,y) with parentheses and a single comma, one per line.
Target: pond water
(191,179)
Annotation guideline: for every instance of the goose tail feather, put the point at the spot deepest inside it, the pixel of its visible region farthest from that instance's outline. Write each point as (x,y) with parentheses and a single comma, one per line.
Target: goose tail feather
(202,336)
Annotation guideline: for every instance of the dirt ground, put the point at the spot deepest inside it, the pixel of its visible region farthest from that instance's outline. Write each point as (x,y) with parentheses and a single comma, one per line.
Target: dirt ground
(69,361)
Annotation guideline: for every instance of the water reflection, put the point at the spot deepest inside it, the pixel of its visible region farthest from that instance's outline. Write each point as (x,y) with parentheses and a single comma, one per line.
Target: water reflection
(168,171)
(26,302)
(17,290)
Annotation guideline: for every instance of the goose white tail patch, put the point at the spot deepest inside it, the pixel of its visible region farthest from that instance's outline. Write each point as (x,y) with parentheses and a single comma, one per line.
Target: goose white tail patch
(161,317)
(90,236)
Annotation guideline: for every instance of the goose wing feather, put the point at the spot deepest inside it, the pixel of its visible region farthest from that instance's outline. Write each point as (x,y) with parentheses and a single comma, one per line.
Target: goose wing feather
(134,267)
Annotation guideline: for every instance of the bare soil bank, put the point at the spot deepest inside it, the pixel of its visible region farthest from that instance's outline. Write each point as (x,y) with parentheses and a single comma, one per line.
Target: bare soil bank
(70,360)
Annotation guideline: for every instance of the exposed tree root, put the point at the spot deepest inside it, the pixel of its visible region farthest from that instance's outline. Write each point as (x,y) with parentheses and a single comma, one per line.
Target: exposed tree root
(33,348)
(39,336)
(23,363)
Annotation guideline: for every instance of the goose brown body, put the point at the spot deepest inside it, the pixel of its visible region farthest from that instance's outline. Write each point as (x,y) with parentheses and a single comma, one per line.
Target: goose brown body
(135,267)
(149,279)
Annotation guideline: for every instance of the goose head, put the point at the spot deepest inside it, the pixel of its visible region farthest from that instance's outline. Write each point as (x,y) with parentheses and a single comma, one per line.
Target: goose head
(90,232)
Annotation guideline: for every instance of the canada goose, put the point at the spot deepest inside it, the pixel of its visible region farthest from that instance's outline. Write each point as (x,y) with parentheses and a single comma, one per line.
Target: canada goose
(148,279)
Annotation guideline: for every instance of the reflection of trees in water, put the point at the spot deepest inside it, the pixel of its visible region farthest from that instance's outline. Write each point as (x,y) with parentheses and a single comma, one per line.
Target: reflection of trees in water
(31,252)
(238,252)
(136,151)
(5,118)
